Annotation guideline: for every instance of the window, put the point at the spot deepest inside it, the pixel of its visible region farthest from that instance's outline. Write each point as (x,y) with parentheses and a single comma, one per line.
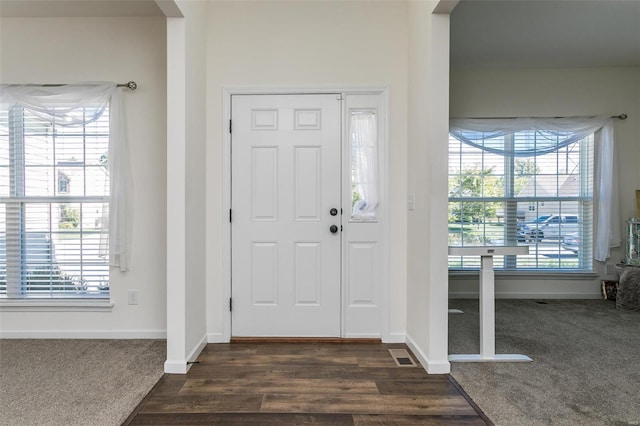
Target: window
(63,183)
(54,205)
(364,168)
(527,187)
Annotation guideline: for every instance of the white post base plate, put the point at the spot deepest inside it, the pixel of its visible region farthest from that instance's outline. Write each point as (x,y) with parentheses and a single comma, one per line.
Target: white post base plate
(495,358)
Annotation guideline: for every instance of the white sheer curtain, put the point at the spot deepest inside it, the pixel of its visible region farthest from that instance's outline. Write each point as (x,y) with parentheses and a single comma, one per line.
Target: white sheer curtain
(364,173)
(480,133)
(78,105)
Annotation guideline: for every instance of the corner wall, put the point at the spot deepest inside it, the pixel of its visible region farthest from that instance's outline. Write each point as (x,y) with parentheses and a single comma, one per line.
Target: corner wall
(186,264)
(67,50)
(196,112)
(427,170)
(551,93)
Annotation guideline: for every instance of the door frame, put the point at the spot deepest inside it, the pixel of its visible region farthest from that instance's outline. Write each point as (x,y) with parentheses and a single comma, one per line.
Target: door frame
(384,168)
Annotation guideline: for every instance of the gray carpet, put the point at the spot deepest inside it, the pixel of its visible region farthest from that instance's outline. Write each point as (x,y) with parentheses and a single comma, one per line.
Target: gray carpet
(585,369)
(76,382)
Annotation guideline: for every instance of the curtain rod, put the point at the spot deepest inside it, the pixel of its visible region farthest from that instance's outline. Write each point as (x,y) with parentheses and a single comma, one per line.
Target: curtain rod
(131,85)
(620,117)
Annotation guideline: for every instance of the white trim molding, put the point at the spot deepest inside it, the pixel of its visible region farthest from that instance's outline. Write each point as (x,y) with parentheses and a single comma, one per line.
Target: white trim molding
(84,334)
(57,305)
(216,338)
(397,338)
(227,93)
(182,367)
(432,367)
(195,352)
(176,367)
(526,295)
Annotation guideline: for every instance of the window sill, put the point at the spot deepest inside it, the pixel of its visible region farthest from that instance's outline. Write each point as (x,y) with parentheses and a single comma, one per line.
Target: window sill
(59,305)
(527,275)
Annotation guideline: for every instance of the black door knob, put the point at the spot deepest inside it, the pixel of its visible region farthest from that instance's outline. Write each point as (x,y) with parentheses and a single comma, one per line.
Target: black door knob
(333,229)
(333,212)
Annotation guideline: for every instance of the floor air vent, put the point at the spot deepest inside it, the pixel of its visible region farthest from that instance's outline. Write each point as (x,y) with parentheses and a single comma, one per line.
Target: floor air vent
(402,358)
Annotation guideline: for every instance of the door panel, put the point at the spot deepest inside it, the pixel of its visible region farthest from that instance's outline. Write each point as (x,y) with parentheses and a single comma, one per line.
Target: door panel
(285,180)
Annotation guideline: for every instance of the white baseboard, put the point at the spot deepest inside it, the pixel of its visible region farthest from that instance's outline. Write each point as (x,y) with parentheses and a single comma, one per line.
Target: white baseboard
(83,334)
(182,367)
(397,338)
(362,336)
(176,367)
(216,338)
(524,295)
(441,367)
(197,349)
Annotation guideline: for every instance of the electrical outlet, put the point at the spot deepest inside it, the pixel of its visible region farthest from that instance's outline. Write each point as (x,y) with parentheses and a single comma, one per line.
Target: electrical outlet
(610,269)
(133,297)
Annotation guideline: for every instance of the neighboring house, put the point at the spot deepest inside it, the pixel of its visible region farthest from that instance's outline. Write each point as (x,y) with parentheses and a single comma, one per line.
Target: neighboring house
(550,186)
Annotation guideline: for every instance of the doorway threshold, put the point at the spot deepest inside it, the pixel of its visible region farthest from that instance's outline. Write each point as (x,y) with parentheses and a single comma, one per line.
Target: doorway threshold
(305,340)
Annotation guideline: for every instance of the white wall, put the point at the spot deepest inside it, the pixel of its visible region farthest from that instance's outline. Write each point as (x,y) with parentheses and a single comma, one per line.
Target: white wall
(550,93)
(61,50)
(306,45)
(427,169)
(186,109)
(195,13)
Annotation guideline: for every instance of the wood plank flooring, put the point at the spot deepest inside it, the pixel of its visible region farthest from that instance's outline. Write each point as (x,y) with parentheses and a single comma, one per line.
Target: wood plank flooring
(305,383)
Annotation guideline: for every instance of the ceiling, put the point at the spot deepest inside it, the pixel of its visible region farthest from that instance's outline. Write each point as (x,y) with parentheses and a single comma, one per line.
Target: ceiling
(484,33)
(78,8)
(545,33)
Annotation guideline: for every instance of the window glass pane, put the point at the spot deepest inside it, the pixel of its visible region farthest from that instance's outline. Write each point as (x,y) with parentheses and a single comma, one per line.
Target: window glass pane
(3,250)
(97,141)
(37,142)
(65,247)
(69,147)
(364,165)
(55,245)
(4,152)
(543,201)
(4,179)
(38,181)
(97,181)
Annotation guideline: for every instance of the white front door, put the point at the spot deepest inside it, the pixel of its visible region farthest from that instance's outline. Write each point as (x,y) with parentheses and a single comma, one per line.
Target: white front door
(286,181)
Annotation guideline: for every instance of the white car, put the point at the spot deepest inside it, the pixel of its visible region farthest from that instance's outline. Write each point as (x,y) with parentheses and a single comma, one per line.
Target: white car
(554,226)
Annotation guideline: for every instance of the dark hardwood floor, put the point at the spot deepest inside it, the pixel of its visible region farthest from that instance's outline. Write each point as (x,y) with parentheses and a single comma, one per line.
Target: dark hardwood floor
(305,383)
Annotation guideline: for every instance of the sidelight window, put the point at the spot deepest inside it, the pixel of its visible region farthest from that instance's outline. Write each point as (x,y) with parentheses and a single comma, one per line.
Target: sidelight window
(363,135)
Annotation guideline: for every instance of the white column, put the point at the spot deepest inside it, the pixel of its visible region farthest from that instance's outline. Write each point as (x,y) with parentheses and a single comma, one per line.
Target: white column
(176,197)
(487,308)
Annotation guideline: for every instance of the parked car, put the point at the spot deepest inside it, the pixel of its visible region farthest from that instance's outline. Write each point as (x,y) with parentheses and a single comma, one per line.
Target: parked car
(553,226)
(524,227)
(571,242)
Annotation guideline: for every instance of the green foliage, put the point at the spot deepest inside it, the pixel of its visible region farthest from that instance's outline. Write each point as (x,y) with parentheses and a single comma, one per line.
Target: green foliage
(69,218)
(526,167)
(474,182)
(355,196)
(523,171)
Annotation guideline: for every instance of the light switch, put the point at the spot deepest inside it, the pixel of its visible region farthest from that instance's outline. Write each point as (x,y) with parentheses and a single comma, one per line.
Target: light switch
(411,202)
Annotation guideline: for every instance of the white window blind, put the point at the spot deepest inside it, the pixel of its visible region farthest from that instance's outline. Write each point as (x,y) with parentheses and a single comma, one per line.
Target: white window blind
(526,187)
(54,204)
